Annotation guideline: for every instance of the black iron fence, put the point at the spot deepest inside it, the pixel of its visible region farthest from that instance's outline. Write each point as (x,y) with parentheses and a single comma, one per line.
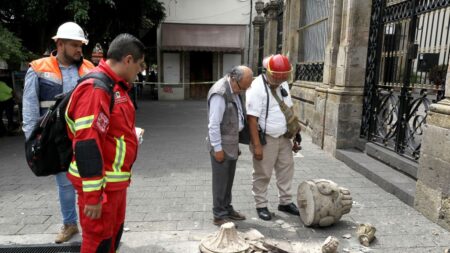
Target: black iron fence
(407,61)
(309,71)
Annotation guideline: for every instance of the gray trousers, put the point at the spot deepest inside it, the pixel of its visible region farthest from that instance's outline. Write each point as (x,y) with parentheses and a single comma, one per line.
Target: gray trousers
(222,184)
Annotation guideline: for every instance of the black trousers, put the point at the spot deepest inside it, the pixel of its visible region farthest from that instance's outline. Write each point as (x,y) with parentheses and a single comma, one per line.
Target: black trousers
(222,184)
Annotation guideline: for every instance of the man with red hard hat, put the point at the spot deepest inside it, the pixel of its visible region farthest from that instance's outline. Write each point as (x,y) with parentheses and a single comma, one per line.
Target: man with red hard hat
(274,132)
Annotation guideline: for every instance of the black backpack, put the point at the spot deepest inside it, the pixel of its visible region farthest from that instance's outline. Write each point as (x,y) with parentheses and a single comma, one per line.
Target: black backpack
(48,149)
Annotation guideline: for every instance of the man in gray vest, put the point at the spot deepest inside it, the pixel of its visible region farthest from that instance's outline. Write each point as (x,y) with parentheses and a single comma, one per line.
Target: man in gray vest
(226,114)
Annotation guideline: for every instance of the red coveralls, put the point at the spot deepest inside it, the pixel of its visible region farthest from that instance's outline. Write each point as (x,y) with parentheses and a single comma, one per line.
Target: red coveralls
(105,148)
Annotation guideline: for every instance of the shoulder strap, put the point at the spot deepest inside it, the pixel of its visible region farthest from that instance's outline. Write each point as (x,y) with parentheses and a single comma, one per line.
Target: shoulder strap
(267,103)
(284,108)
(102,81)
(277,98)
(288,115)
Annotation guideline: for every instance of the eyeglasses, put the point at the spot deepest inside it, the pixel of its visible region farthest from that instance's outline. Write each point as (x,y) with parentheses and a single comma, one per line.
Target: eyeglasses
(237,82)
(239,86)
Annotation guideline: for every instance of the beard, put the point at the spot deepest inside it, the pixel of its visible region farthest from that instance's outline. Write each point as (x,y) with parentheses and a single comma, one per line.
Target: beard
(72,58)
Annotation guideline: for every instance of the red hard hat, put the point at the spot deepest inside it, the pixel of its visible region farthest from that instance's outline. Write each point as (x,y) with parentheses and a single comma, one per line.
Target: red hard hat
(279,63)
(279,68)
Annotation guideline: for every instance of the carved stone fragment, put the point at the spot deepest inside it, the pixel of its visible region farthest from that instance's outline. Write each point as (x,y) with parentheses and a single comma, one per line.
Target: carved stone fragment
(366,233)
(226,240)
(330,245)
(322,202)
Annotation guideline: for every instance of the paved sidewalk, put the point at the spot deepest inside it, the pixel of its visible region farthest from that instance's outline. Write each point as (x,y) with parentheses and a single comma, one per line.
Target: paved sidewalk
(169,207)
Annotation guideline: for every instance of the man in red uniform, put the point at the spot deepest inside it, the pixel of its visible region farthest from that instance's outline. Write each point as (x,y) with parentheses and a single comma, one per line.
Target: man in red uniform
(105,145)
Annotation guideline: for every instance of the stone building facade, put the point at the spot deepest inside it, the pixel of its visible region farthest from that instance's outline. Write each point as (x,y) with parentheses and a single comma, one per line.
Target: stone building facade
(364,75)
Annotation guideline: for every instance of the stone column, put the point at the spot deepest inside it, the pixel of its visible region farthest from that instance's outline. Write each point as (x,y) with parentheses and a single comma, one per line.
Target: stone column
(270,30)
(258,27)
(345,97)
(329,71)
(332,49)
(433,187)
(291,21)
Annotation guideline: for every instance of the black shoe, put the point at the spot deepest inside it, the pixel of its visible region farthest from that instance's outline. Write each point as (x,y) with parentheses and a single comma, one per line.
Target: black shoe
(264,213)
(290,208)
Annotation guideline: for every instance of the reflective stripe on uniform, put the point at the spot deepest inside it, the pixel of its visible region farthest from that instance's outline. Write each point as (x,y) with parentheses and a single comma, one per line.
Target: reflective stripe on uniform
(111,176)
(46,104)
(69,121)
(114,177)
(73,169)
(83,122)
(120,153)
(93,185)
(50,75)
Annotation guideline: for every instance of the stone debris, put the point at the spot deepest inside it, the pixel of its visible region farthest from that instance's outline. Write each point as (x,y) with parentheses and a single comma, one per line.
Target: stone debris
(330,245)
(347,236)
(275,246)
(366,233)
(365,250)
(229,240)
(125,229)
(257,246)
(279,222)
(253,235)
(285,226)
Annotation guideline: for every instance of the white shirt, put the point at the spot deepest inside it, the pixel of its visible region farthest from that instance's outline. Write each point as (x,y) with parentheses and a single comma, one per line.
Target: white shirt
(256,100)
(216,110)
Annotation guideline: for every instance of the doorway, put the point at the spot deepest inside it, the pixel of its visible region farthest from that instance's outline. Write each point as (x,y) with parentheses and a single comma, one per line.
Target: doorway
(201,68)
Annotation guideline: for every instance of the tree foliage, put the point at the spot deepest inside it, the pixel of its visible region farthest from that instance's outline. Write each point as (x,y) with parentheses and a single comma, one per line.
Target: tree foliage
(36,21)
(11,47)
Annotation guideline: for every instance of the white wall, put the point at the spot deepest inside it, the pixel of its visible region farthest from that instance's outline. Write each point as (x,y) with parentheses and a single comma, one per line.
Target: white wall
(207,11)
(171,68)
(171,90)
(229,61)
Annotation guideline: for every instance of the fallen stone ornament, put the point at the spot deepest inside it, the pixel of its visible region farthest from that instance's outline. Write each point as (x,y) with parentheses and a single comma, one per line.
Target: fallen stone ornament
(366,233)
(226,240)
(322,202)
(330,245)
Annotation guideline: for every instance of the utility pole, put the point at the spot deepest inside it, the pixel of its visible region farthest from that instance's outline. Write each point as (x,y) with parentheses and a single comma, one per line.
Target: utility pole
(249,33)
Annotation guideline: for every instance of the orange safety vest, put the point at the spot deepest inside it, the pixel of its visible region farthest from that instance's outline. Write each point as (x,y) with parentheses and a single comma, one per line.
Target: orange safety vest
(50,78)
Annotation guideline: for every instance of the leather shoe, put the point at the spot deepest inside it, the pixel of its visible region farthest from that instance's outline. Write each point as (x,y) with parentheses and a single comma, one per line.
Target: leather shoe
(220,221)
(290,208)
(234,215)
(264,213)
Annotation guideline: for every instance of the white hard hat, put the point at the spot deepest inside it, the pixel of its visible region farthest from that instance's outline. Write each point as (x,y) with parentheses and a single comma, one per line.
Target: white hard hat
(70,31)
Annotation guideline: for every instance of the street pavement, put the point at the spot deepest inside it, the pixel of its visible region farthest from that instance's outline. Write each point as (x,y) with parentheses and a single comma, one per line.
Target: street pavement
(170,199)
